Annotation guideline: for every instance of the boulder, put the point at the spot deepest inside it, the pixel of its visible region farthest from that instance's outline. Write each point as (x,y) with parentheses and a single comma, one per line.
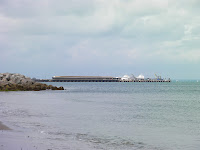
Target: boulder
(8,76)
(27,81)
(1,76)
(18,82)
(15,79)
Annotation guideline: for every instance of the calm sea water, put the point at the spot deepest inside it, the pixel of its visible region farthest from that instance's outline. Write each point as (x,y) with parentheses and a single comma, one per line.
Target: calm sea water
(113,116)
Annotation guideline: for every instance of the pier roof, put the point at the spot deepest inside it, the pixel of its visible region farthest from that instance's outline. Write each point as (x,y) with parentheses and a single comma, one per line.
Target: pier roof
(83,77)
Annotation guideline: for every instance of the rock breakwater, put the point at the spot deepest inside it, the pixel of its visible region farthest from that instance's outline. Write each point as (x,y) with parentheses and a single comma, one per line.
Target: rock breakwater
(18,82)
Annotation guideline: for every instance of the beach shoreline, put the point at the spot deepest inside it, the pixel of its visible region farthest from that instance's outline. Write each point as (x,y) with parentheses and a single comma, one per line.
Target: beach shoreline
(3,127)
(10,139)
(15,141)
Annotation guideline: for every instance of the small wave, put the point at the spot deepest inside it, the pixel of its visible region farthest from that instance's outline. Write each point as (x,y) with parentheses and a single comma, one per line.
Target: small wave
(114,143)
(21,113)
(111,143)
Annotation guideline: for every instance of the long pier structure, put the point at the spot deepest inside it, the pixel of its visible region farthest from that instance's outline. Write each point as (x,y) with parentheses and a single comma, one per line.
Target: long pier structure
(100,79)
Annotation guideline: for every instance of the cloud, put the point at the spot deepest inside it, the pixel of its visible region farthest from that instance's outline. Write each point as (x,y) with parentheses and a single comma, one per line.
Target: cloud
(99,32)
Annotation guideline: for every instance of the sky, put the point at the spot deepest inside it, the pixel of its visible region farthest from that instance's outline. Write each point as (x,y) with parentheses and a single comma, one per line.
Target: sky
(43,38)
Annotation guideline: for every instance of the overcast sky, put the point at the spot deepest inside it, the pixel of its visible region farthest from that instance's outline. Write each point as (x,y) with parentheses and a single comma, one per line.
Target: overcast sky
(43,38)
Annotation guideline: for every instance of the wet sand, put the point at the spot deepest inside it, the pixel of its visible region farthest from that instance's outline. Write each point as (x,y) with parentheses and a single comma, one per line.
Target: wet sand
(3,127)
(11,140)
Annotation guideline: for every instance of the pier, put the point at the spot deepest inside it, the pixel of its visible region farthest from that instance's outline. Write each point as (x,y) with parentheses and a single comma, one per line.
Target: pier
(98,79)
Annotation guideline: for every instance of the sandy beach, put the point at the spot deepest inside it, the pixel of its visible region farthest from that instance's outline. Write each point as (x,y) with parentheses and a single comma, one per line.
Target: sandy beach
(3,127)
(10,140)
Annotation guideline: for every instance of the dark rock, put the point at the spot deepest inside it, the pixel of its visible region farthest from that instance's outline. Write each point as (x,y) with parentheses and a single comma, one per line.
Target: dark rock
(50,87)
(8,76)
(18,82)
(61,88)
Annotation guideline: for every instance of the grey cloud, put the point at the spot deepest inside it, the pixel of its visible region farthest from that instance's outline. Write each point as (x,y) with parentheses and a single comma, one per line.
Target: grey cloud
(30,8)
(113,33)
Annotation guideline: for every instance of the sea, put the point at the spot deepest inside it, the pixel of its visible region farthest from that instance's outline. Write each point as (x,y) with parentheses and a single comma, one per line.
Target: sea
(107,116)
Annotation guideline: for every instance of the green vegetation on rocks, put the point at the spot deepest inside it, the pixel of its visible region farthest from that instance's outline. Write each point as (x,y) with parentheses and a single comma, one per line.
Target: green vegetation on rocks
(18,82)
